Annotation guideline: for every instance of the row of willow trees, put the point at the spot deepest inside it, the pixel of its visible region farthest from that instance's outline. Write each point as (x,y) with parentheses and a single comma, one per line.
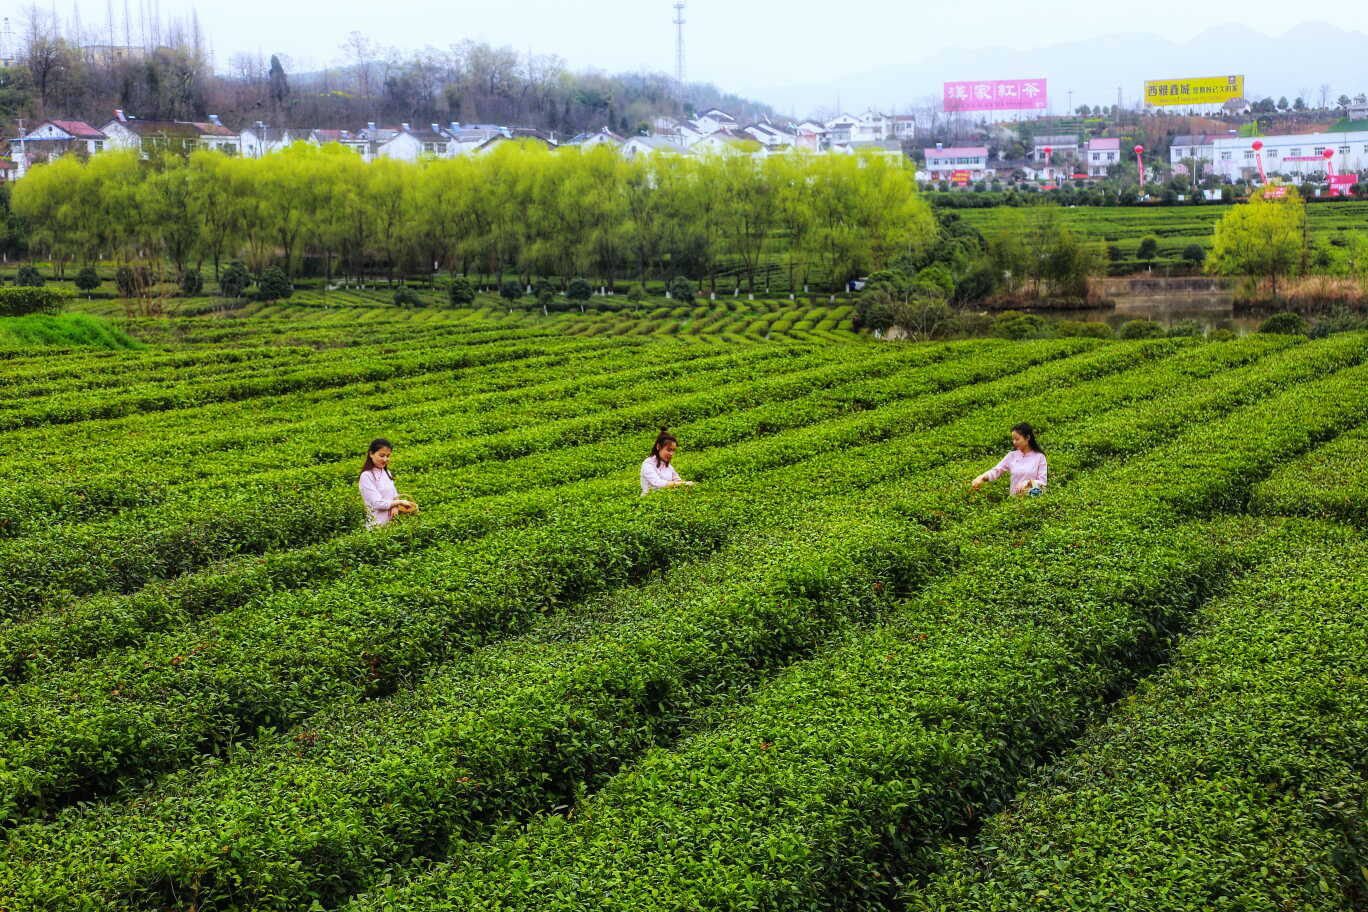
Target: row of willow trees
(520,211)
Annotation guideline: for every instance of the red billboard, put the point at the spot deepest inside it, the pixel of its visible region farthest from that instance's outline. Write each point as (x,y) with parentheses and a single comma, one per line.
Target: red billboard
(960,177)
(996,95)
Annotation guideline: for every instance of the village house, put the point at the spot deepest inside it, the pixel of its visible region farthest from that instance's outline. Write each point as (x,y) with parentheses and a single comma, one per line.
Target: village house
(713,120)
(638,146)
(50,140)
(604,137)
(1102,154)
(724,142)
(770,136)
(811,136)
(904,127)
(259,140)
(871,126)
(125,132)
(957,163)
(1063,147)
(841,129)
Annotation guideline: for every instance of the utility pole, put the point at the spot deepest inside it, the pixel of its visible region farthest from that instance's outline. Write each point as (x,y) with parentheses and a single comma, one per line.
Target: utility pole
(679,42)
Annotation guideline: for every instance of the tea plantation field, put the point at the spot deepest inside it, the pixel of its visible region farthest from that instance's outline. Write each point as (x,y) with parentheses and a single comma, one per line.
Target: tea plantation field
(829,676)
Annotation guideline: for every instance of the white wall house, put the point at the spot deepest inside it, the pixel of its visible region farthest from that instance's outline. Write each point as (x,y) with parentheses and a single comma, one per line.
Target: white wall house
(1062,147)
(1294,156)
(770,136)
(724,142)
(871,126)
(941,164)
(904,127)
(1101,155)
(841,129)
(638,146)
(713,120)
(180,135)
(1198,146)
(811,136)
(52,139)
(604,137)
(259,139)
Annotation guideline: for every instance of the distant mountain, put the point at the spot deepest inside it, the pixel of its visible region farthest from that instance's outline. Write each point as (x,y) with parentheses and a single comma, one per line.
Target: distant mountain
(1301,60)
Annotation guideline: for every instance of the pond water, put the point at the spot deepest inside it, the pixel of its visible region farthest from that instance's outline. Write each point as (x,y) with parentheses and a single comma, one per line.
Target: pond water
(1212,310)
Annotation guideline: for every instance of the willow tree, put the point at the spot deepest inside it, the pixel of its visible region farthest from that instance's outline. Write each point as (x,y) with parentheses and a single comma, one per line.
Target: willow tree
(1265,238)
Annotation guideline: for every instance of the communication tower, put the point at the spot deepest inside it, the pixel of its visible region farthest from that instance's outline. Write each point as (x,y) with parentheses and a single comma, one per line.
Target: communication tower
(6,44)
(679,41)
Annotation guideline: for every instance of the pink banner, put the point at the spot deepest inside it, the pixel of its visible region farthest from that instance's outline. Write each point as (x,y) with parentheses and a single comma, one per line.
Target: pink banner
(996,95)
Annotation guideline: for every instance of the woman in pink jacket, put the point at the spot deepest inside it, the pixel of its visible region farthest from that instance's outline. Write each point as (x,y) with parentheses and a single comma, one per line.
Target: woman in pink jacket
(1026,463)
(378,492)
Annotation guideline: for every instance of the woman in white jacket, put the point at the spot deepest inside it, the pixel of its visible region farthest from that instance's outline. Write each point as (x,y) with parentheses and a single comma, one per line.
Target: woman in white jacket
(657,471)
(376,482)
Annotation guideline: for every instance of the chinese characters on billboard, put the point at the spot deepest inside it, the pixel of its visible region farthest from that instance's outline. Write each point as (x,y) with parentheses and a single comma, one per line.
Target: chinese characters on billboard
(996,95)
(1208,90)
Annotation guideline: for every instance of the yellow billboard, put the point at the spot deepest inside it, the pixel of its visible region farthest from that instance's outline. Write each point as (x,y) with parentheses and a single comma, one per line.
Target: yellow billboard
(1206,90)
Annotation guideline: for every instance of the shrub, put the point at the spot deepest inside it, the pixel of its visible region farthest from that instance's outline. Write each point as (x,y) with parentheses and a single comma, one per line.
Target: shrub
(18,300)
(274,285)
(29,276)
(191,283)
(1339,320)
(1140,329)
(636,294)
(1285,323)
(681,289)
(132,281)
(234,280)
(1148,249)
(1086,330)
(406,297)
(461,292)
(579,290)
(1185,328)
(87,279)
(1194,254)
(1015,324)
(511,290)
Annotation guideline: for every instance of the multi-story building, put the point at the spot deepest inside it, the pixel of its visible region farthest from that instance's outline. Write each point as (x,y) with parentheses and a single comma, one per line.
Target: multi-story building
(1062,147)
(970,162)
(1102,154)
(1295,156)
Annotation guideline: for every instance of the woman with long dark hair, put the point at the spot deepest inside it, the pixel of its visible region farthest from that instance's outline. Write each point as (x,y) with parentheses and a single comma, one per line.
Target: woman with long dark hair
(658,470)
(1026,463)
(378,491)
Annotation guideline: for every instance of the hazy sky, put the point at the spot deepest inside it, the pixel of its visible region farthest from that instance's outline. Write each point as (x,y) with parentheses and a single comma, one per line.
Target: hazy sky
(741,45)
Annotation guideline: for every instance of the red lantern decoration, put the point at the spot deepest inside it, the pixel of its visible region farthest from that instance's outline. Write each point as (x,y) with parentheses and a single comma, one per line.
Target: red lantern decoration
(1258,157)
(1140,165)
